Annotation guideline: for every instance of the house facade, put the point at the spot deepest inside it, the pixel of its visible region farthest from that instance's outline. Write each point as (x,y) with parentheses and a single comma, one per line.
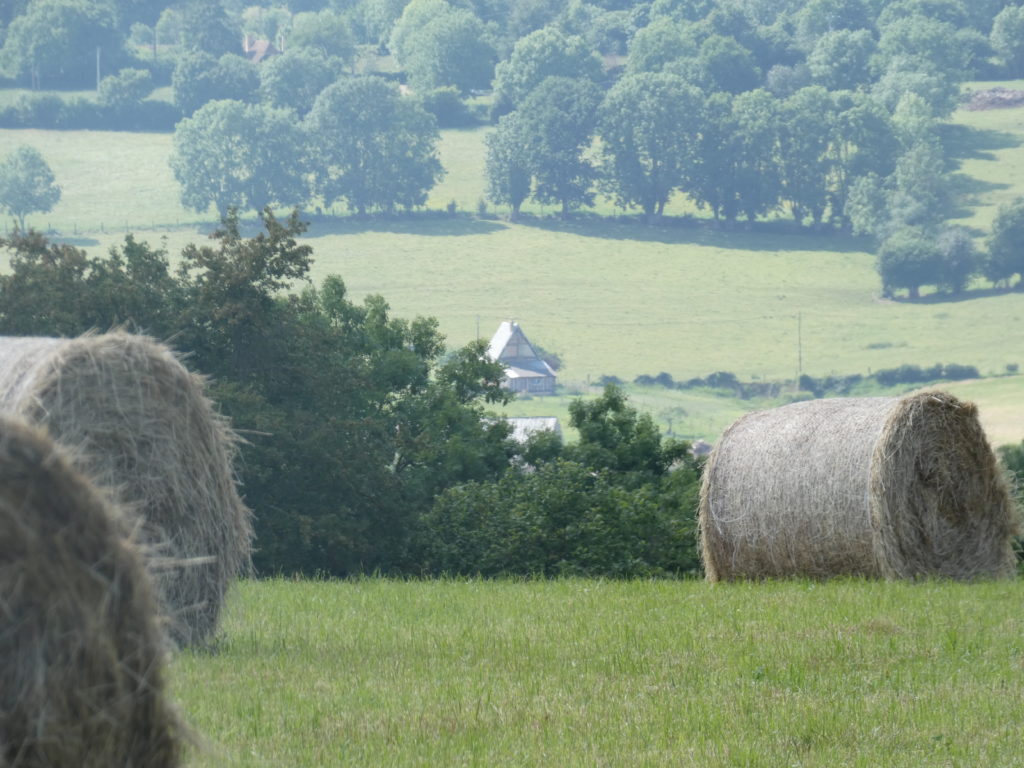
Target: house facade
(525,371)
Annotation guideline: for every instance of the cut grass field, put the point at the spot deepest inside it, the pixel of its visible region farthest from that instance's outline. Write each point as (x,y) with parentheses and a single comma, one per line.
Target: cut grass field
(611,297)
(592,673)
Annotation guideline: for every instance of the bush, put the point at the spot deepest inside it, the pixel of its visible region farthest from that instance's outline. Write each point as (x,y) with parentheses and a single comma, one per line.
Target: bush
(126,89)
(447,106)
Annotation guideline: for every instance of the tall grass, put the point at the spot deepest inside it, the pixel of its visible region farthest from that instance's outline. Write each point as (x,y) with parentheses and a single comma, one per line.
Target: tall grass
(585,673)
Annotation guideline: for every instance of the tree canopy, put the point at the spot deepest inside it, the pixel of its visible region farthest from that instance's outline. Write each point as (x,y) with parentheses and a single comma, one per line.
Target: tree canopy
(27,184)
(372,148)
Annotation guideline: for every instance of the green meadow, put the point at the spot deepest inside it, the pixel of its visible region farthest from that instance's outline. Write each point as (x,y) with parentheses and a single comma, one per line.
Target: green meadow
(611,296)
(594,673)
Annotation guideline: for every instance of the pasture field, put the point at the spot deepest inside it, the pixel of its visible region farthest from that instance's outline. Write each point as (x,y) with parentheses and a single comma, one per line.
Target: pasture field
(611,297)
(594,673)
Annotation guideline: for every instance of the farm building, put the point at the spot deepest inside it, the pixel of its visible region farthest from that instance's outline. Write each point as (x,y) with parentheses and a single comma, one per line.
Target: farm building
(524,427)
(525,371)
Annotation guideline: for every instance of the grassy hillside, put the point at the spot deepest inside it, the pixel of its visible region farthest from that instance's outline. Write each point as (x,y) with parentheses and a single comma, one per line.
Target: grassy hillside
(611,298)
(584,673)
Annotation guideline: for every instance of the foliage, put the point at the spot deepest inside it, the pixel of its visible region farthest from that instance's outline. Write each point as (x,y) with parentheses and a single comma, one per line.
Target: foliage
(126,89)
(619,503)
(508,175)
(439,45)
(649,127)
(199,78)
(557,120)
(372,148)
(294,79)
(908,259)
(537,56)
(27,184)
(447,107)
(323,31)
(1005,243)
(840,59)
(235,155)
(1007,38)
(206,27)
(57,40)
(354,422)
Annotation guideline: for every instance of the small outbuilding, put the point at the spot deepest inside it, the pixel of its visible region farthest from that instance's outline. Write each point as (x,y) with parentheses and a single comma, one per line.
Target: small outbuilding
(525,370)
(525,427)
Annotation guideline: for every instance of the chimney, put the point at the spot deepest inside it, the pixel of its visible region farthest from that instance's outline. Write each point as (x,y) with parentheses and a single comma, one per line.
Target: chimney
(245,43)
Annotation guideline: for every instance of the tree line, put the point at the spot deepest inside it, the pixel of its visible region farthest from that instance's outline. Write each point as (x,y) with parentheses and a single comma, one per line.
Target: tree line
(368,445)
(828,111)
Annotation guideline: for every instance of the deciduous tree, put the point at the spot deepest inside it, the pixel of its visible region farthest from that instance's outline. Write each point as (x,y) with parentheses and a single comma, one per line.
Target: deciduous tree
(509,180)
(56,40)
(1005,244)
(558,118)
(649,128)
(27,184)
(294,79)
(248,156)
(372,148)
(542,54)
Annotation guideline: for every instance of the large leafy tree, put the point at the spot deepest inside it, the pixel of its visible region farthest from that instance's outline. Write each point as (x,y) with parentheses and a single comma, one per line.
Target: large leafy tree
(199,78)
(908,259)
(723,64)
(323,31)
(659,43)
(649,127)
(372,148)
(207,27)
(230,154)
(508,172)
(805,126)
(542,54)
(446,47)
(840,59)
(294,79)
(353,421)
(27,184)
(1005,243)
(57,40)
(1007,38)
(620,502)
(558,120)
(754,130)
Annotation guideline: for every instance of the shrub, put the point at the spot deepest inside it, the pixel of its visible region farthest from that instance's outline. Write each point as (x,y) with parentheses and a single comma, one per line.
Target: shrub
(447,106)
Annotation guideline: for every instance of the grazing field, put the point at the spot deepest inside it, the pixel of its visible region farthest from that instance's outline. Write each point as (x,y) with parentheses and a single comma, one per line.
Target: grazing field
(591,673)
(611,297)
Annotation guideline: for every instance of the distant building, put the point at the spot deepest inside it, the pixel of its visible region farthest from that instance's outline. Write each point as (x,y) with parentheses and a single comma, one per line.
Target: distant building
(525,371)
(260,50)
(524,427)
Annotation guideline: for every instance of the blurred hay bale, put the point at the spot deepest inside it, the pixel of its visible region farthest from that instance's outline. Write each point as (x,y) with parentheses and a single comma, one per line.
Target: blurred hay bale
(137,422)
(878,487)
(81,651)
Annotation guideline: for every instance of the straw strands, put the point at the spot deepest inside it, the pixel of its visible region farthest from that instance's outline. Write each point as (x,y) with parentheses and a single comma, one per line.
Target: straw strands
(81,651)
(138,423)
(878,487)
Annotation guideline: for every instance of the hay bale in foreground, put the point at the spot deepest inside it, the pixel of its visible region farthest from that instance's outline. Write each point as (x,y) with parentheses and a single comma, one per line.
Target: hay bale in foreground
(81,651)
(137,422)
(879,487)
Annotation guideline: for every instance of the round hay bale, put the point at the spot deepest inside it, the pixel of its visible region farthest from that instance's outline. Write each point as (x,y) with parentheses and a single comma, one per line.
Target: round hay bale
(877,487)
(81,650)
(137,422)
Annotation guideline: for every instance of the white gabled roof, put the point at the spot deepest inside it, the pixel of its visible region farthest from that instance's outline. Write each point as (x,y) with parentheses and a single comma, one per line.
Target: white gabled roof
(500,339)
(520,366)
